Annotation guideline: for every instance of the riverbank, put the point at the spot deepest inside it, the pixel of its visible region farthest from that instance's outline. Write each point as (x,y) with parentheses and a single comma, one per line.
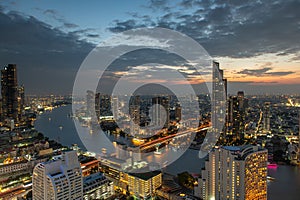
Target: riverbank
(285,186)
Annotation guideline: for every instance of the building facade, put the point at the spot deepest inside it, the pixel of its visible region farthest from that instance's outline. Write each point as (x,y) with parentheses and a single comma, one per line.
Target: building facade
(161,111)
(58,179)
(234,173)
(97,186)
(9,92)
(219,95)
(144,185)
(237,110)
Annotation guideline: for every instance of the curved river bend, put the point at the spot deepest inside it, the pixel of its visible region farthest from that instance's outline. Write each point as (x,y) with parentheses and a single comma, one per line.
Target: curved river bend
(58,126)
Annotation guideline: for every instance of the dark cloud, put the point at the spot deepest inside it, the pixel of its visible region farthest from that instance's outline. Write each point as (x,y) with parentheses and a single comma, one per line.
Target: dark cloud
(263,72)
(70,25)
(120,26)
(93,35)
(253,88)
(232,28)
(47,58)
(158,5)
(54,14)
(51,12)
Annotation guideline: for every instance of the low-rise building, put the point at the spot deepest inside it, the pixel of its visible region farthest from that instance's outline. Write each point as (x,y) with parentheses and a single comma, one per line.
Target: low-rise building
(144,185)
(97,186)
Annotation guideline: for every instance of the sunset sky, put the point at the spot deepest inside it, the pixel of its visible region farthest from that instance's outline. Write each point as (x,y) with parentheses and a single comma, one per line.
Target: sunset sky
(256,42)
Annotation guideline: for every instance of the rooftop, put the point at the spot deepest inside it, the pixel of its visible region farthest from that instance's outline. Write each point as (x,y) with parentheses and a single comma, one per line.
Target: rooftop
(237,148)
(93,177)
(145,176)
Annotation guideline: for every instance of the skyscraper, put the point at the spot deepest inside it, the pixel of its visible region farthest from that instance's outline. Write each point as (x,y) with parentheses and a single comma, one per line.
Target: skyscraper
(58,179)
(266,117)
(21,101)
(90,103)
(219,95)
(161,111)
(234,172)
(134,111)
(236,115)
(103,108)
(9,92)
(115,106)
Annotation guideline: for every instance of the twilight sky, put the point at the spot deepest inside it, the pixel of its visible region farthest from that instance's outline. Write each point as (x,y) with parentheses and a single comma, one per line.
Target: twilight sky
(256,42)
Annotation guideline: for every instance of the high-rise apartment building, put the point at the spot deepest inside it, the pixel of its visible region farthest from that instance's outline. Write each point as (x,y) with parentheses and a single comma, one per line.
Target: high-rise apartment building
(58,179)
(234,172)
(9,92)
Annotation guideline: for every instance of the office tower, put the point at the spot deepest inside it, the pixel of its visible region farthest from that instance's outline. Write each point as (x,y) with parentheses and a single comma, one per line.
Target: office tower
(102,103)
(58,179)
(241,100)
(134,111)
(266,117)
(236,115)
(234,172)
(9,92)
(144,185)
(161,111)
(219,94)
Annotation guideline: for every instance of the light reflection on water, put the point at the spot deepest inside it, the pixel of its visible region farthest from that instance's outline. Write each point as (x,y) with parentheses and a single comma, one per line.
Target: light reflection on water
(287,178)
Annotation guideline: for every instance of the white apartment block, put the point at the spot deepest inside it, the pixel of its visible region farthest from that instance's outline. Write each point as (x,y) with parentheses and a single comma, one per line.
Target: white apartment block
(58,179)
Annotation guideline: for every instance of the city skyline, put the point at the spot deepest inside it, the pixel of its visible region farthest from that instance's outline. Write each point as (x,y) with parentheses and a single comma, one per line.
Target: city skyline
(150,99)
(259,52)
(261,131)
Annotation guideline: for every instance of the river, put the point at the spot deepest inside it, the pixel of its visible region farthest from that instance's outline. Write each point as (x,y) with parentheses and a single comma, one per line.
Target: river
(58,126)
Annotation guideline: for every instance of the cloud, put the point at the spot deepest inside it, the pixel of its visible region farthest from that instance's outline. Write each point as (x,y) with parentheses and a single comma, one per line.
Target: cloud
(120,26)
(263,88)
(236,29)
(47,58)
(70,25)
(51,12)
(158,5)
(265,71)
(54,14)
(93,35)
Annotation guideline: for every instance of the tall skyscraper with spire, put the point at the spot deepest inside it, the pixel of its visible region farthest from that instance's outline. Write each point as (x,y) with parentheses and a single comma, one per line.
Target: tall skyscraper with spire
(219,96)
